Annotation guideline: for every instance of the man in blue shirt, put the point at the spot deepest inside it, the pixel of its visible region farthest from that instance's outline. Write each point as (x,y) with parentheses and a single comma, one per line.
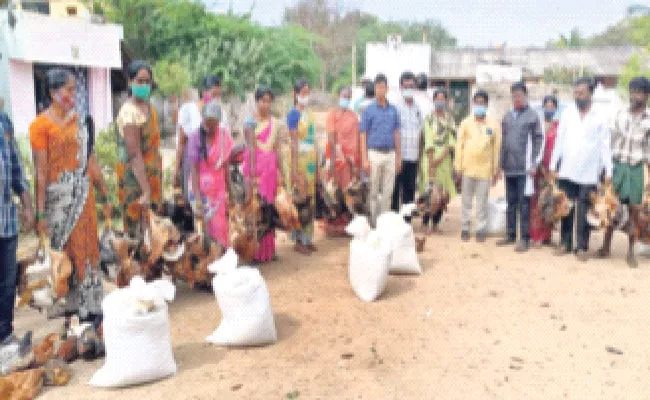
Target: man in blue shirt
(12,181)
(381,150)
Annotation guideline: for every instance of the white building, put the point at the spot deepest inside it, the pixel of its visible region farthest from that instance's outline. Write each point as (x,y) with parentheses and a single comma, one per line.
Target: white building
(56,34)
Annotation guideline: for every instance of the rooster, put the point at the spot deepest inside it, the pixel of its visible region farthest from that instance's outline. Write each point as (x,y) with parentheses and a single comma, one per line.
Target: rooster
(286,209)
(553,203)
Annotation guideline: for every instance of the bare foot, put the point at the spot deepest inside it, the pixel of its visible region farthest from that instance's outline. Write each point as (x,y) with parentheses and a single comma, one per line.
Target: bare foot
(311,247)
(603,253)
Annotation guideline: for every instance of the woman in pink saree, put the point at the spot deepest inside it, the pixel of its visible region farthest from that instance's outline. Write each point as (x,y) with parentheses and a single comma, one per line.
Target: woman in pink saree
(264,171)
(210,151)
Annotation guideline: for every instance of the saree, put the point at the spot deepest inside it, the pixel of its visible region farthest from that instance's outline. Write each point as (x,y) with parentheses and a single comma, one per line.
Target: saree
(344,124)
(266,172)
(128,191)
(70,209)
(212,181)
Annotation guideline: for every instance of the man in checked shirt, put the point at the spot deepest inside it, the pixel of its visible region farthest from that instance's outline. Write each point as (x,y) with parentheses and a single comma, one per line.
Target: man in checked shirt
(12,181)
(631,152)
(412,124)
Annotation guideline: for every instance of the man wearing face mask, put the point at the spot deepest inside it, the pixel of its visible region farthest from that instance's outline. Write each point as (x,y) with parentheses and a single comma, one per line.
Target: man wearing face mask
(477,161)
(381,151)
(631,153)
(412,123)
(582,149)
(519,157)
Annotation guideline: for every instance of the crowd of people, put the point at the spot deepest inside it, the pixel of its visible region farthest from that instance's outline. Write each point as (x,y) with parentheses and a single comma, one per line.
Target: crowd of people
(397,149)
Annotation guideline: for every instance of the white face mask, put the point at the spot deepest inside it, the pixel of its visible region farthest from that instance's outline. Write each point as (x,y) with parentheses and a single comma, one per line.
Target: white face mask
(303,100)
(407,93)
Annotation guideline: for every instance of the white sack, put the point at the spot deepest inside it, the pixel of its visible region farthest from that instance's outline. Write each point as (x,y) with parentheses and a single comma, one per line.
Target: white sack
(246,309)
(138,342)
(400,238)
(497,208)
(369,258)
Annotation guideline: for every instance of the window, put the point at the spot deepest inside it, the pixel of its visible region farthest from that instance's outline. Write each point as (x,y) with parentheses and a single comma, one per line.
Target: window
(39,6)
(71,10)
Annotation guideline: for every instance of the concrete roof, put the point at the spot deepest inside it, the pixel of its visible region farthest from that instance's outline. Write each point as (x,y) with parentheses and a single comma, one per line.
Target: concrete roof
(461,63)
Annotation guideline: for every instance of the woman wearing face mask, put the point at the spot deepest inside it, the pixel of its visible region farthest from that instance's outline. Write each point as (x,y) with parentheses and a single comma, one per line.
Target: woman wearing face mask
(139,167)
(209,153)
(436,165)
(66,172)
(540,233)
(261,161)
(302,166)
(343,153)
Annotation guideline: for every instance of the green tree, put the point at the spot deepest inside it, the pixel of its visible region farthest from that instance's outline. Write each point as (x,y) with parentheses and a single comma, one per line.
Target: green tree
(636,66)
(171,77)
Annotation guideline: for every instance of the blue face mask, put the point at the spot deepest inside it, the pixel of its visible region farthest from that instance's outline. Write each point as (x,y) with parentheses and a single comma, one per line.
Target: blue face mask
(344,103)
(480,111)
(440,105)
(549,114)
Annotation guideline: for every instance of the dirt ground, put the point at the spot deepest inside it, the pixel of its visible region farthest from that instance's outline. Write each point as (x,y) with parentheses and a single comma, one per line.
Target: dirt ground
(479,323)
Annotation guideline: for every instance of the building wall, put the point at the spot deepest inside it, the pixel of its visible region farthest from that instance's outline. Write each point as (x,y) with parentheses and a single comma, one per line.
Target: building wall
(392,61)
(22,102)
(59,8)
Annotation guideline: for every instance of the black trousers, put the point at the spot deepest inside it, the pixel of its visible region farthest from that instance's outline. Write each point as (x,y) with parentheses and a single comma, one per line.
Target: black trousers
(8,277)
(405,185)
(579,194)
(518,203)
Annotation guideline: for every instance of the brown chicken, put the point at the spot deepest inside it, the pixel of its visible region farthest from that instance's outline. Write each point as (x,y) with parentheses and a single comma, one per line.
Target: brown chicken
(606,210)
(24,385)
(553,204)
(57,373)
(419,243)
(242,224)
(45,351)
(61,272)
(287,210)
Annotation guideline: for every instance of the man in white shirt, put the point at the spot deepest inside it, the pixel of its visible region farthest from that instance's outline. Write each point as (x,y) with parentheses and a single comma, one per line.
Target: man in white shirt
(189,121)
(412,123)
(582,150)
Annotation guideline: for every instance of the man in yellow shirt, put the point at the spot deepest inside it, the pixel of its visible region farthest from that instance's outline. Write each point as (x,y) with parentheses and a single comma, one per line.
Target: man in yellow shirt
(477,161)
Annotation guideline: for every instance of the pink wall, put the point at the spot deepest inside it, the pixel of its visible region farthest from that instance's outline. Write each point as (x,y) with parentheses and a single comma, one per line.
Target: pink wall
(99,96)
(21,95)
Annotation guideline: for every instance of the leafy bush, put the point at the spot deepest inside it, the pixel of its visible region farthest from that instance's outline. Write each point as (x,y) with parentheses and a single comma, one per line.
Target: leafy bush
(106,153)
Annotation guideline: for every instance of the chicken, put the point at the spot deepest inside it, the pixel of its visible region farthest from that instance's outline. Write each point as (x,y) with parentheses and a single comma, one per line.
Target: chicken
(57,373)
(17,355)
(22,385)
(355,196)
(553,204)
(161,231)
(606,210)
(242,224)
(287,210)
(433,200)
(67,350)
(45,351)
(61,272)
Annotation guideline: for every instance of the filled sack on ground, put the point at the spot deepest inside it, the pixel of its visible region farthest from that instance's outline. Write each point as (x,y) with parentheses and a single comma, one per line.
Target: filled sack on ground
(369,260)
(137,335)
(401,239)
(496,221)
(242,295)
